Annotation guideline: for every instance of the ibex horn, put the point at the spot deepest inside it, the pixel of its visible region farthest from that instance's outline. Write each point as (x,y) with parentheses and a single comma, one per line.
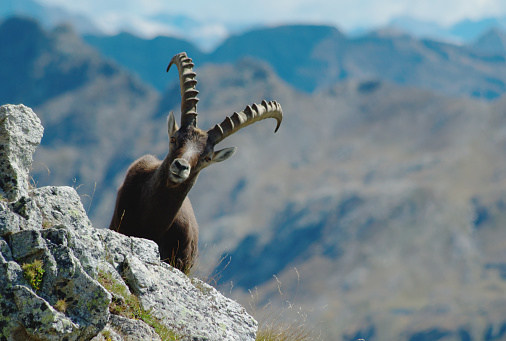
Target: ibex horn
(188,91)
(244,118)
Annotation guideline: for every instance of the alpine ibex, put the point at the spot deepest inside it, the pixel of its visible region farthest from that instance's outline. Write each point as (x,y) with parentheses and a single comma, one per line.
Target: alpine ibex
(152,202)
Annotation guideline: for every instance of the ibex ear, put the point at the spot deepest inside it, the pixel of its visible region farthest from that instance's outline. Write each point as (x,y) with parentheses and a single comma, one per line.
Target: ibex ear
(171,124)
(222,155)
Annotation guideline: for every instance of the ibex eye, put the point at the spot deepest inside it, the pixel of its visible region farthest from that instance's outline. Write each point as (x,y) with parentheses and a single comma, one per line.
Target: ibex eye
(207,158)
(172,140)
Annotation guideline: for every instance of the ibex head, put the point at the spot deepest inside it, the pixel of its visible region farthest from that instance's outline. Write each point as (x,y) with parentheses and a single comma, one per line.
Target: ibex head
(192,149)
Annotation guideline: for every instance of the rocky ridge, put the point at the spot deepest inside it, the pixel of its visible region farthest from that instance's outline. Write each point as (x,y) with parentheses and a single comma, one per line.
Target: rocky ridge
(62,279)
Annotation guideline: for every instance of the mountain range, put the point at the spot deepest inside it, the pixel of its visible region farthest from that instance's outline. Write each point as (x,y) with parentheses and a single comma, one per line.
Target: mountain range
(209,33)
(464,31)
(377,210)
(311,58)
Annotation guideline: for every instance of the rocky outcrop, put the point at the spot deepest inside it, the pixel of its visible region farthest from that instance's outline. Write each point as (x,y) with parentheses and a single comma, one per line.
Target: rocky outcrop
(20,134)
(62,279)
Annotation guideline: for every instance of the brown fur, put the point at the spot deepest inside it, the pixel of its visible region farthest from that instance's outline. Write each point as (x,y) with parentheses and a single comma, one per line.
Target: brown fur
(147,208)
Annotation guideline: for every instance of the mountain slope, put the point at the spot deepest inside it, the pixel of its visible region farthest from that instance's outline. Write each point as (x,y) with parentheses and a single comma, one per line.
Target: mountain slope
(289,49)
(133,53)
(385,207)
(440,67)
(492,41)
(32,61)
(51,70)
(92,110)
(48,16)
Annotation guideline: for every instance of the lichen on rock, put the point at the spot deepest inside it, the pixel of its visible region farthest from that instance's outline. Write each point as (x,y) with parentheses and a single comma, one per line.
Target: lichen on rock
(69,301)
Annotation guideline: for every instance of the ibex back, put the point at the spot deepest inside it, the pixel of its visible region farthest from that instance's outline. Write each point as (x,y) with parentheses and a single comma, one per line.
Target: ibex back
(152,202)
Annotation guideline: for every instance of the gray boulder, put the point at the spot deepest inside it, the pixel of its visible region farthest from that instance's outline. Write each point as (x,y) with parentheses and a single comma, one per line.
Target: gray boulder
(62,279)
(20,134)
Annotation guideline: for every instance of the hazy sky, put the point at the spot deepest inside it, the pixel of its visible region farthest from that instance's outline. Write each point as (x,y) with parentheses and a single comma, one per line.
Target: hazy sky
(346,14)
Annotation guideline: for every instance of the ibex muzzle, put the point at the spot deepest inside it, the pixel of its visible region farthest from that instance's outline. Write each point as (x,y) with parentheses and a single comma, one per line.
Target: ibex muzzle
(179,170)
(152,201)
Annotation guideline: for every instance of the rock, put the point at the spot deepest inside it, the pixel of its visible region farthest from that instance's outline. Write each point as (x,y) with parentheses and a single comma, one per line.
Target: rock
(26,243)
(132,330)
(39,318)
(62,279)
(9,221)
(189,306)
(20,134)
(63,283)
(62,207)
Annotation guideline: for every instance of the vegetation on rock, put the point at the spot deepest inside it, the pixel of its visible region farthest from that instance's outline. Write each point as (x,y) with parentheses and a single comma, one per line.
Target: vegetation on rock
(127,305)
(33,273)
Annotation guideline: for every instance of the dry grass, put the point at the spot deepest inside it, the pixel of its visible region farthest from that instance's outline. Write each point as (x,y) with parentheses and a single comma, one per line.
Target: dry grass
(61,305)
(207,274)
(273,322)
(274,330)
(277,323)
(274,325)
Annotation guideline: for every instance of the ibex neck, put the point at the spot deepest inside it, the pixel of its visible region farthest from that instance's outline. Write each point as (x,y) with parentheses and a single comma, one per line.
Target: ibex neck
(165,199)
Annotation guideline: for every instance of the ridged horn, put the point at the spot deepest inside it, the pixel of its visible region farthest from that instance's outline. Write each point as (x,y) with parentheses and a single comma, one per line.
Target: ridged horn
(244,118)
(188,88)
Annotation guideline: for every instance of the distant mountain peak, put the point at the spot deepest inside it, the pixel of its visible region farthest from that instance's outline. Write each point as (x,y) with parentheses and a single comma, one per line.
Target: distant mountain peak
(389,32)
(492,41)
(302,27)
(466,30)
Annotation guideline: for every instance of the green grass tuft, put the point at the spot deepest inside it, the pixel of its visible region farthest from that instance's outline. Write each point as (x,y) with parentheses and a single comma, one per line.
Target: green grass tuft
(33,273)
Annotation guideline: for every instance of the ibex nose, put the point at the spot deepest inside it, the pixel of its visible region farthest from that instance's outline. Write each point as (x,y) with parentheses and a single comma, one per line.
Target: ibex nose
(181,165)
(179,170)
